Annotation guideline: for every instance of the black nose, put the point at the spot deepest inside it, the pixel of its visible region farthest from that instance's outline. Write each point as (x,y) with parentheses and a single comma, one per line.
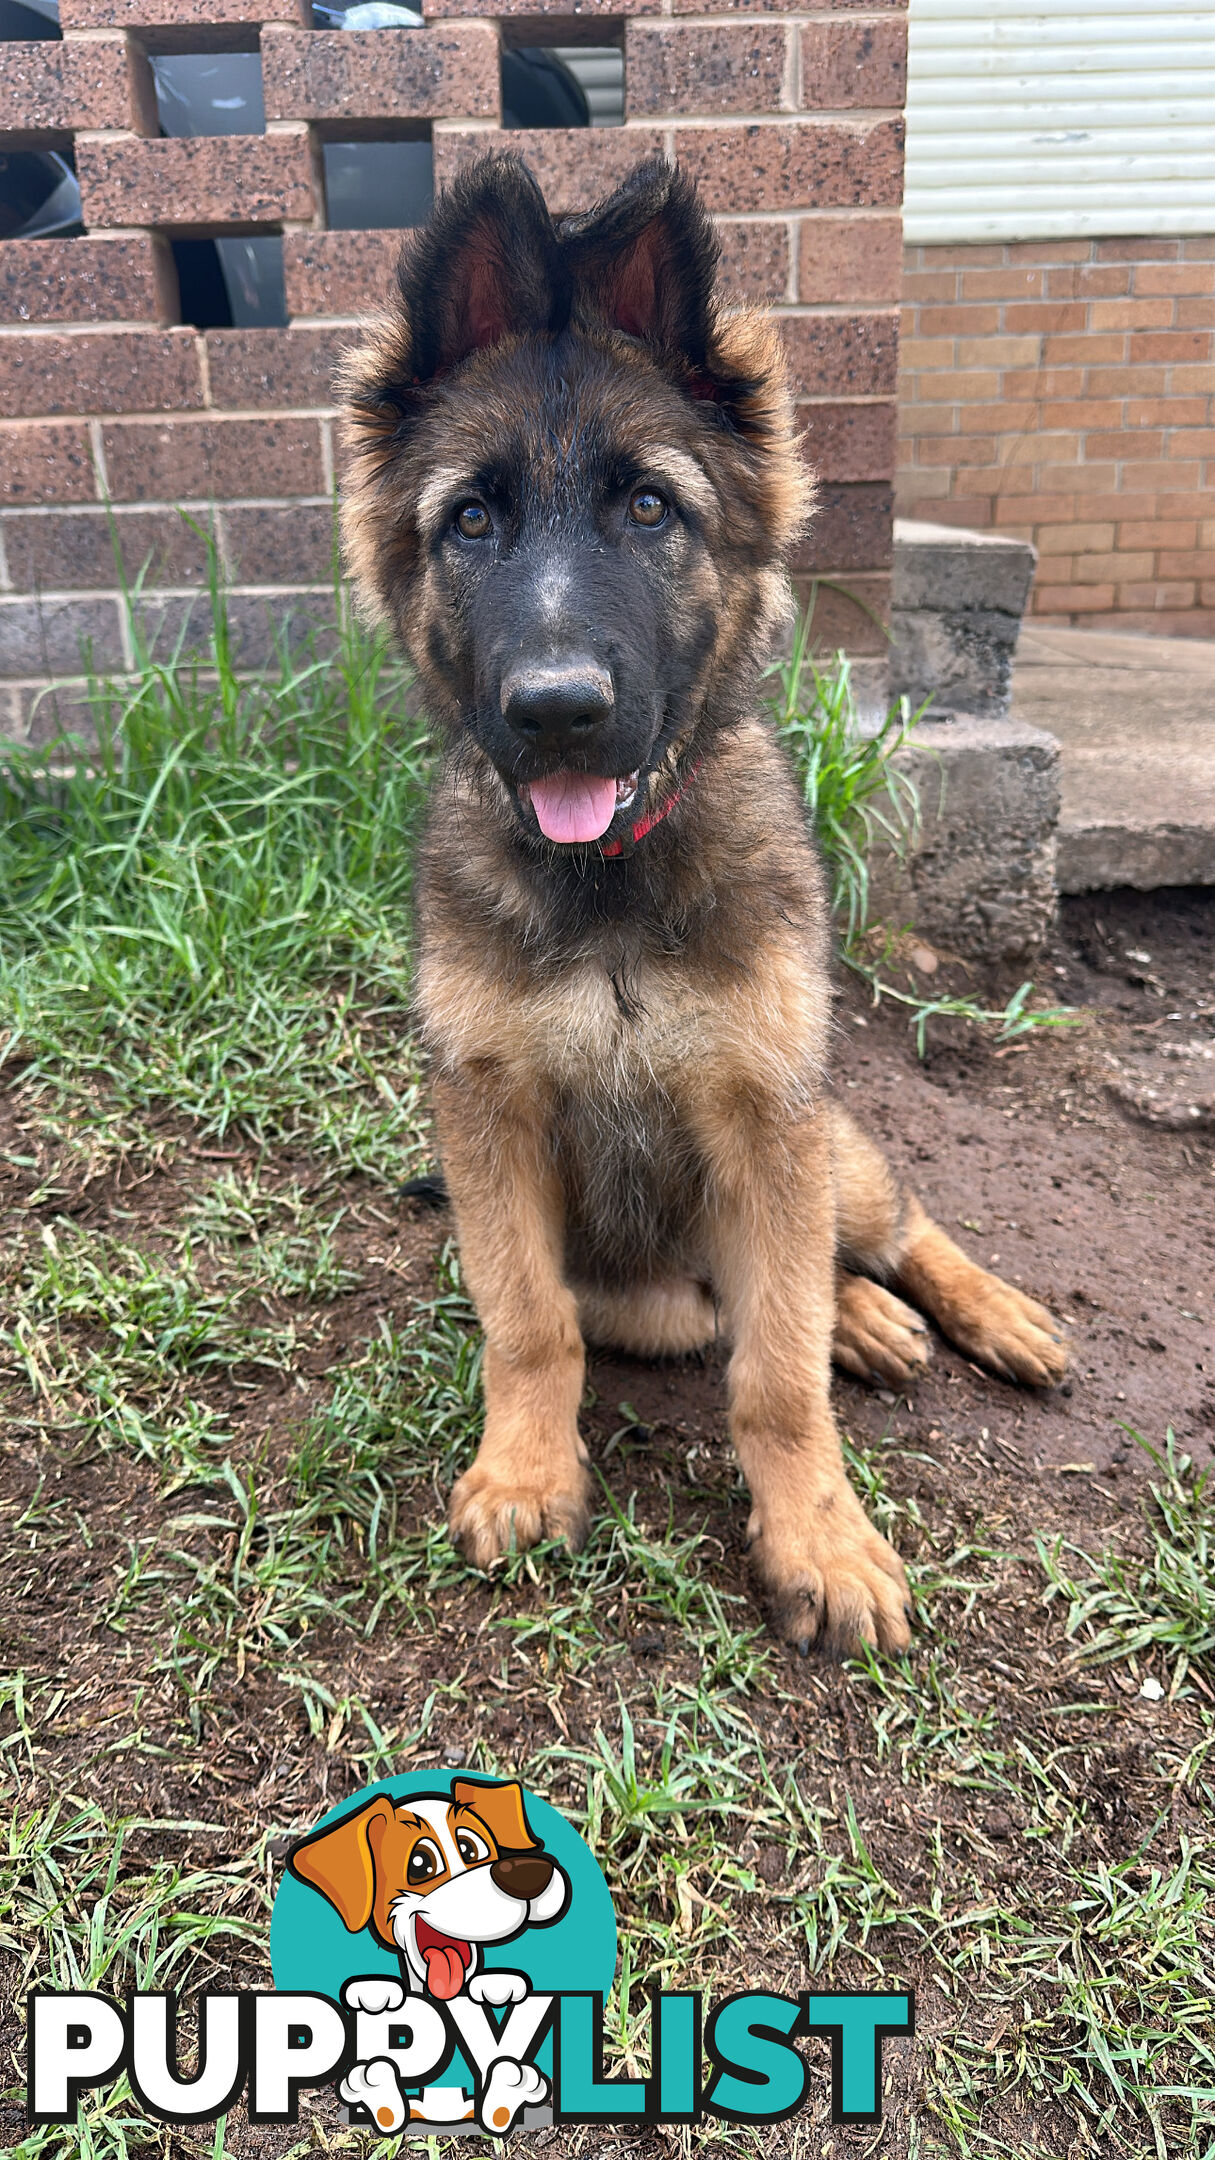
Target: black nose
(522,1875)
(552,703)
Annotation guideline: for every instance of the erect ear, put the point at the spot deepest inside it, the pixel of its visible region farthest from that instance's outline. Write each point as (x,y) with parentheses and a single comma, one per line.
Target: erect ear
(645,261)
(484,267)
(500,1808)
(340,1862)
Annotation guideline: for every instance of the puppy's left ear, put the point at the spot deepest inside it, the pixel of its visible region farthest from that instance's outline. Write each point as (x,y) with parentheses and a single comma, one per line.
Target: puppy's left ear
(645,261)
(500,1808)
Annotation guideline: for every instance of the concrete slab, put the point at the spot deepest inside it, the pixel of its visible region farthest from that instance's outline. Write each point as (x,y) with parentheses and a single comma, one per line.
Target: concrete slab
(1135,721)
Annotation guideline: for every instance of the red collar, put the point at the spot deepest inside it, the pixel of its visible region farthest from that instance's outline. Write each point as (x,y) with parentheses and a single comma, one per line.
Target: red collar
(653,818)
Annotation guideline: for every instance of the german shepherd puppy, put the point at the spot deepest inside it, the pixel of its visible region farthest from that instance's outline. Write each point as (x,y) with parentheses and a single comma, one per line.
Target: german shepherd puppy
(572,485)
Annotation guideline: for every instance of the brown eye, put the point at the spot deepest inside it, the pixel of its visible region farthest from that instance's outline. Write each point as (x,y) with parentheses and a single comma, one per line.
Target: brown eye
(425,1862)
(647,507)
(472,521)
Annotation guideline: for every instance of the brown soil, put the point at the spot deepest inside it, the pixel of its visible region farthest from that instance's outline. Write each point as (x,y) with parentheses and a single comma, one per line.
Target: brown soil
(1045,1159)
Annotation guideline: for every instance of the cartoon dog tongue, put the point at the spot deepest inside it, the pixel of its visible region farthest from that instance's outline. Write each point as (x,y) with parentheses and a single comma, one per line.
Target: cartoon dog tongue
(573,806)
(445,1959)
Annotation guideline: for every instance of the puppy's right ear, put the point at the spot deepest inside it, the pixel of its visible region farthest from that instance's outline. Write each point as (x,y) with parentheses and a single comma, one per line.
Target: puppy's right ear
(340,1861)
(485,266)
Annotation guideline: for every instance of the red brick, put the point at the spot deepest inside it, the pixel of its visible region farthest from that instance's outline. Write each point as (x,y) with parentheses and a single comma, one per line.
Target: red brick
(1082,413)
(216,18)
(1186,563)
(842,355)
(1135,251)
(281,547)
(373,75)
(1183,277)
(711,68)
(274,367)
(949,258)
(237,180)
(777,7)
(849,442)
(1034,509)
(1138,313)
(1049,251)
(1167,412)
(1086,349)
(852,616)
(1011,282)
(49,88)
(99,371)
(1170,345)
(42,463)
(849,258)
(1123,444)
(970,450)
(1072,599)
(960,320)
(74,550)
(930,285)
(1045,315)
(828,164)
(754,258)
(847,63)
(574,166)
(1087,281)
(179,460)
(1191,442)
(1196,314)
(338,273)
(1127,381)
(587,11)
(851,530)
(1003,418)
(85,280)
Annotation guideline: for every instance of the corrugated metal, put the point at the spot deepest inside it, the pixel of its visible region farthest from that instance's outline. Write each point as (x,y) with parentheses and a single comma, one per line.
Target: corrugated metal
(1027,121)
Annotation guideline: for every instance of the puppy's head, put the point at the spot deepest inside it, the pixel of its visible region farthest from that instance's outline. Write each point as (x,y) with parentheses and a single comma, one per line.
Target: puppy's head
(436,1876)
(572,485)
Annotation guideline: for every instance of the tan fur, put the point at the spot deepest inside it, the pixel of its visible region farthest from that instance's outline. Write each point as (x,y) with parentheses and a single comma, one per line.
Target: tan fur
(630,1077)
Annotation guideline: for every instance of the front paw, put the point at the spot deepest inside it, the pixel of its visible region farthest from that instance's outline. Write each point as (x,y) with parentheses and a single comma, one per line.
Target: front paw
(509,2088)
(491,1514)
(829,1578)
(498,1988)
(374,2086)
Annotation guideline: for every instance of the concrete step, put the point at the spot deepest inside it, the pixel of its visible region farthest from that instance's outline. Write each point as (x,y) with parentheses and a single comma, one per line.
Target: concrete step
(1135,721)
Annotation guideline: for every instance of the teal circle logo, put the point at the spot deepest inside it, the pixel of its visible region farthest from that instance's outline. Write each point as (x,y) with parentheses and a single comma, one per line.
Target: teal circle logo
(437,1904)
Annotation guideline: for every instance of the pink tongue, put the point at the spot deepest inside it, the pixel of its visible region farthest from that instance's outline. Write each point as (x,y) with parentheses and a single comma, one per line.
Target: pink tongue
(444,1971)
(573,806)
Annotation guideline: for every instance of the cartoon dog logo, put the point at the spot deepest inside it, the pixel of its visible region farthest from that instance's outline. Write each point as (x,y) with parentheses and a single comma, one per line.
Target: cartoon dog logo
(438,1878)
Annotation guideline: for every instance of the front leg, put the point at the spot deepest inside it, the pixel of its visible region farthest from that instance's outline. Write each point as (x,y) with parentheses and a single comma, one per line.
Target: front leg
(529,1480)
(827,1573)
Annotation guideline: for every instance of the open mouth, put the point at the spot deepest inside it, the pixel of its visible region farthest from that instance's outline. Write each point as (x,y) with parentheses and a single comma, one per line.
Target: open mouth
(571,806)
(446,1960)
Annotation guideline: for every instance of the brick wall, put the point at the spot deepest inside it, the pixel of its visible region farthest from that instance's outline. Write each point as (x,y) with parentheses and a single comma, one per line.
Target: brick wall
(112,412)
(1064,391)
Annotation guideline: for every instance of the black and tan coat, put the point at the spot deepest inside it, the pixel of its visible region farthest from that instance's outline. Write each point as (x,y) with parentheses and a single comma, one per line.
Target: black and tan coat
(573,484)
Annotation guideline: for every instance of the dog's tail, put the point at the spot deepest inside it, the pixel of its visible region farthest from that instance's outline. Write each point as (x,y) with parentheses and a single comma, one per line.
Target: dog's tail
(430,1189)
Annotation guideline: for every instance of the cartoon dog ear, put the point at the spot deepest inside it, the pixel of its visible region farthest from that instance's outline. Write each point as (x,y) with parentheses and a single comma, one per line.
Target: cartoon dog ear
(340,1862)
(500,1808)
(645,261)
(485,266)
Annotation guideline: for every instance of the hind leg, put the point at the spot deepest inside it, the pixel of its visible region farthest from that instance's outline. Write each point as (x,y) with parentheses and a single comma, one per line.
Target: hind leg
(664,1319)
(985,1317)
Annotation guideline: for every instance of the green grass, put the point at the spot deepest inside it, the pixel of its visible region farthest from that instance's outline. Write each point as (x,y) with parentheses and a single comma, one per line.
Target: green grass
(1156,1606)
(208,912)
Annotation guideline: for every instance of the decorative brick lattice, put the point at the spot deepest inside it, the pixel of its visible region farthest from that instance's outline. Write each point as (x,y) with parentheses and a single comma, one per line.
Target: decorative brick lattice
(114,412)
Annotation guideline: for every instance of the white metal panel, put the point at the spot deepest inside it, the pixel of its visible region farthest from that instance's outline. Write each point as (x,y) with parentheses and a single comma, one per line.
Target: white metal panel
(1055,119)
